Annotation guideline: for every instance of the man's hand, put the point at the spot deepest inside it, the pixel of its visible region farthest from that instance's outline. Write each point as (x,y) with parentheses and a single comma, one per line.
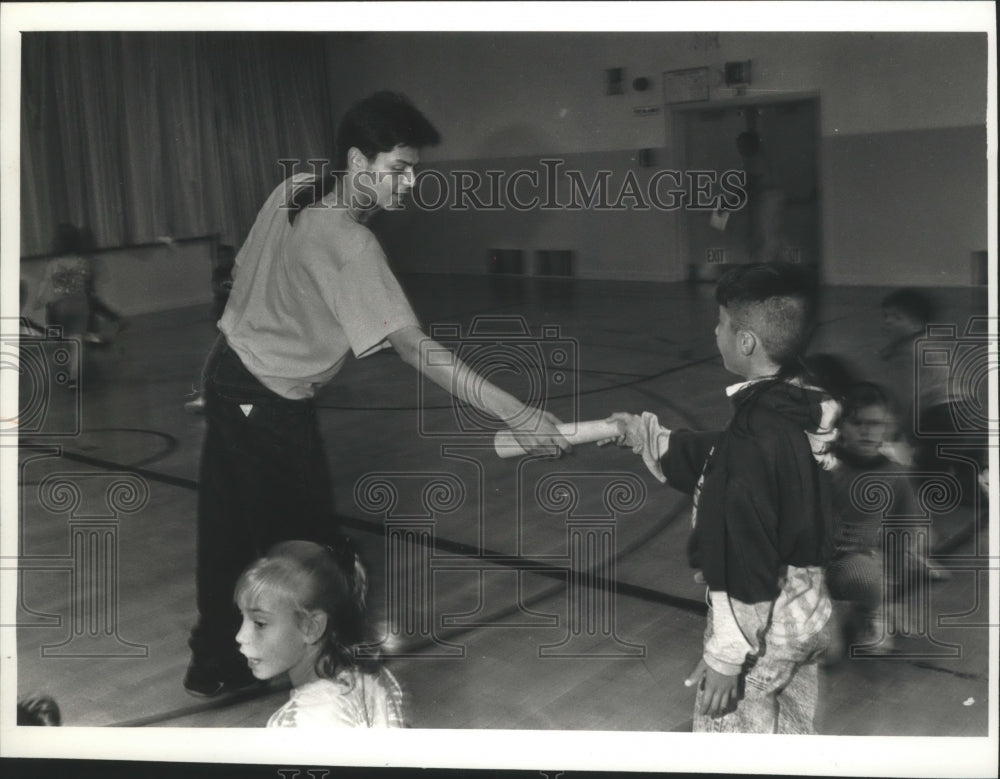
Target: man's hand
(540,436)
(536,434)
(720,691)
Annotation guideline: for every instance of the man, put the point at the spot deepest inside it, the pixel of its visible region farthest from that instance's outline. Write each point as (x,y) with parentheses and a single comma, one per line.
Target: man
(311,283)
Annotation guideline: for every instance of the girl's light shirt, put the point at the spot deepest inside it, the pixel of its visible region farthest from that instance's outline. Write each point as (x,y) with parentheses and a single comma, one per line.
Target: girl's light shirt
(353,700)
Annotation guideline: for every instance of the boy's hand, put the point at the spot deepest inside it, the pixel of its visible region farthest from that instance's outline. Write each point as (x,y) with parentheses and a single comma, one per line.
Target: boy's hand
(643,434)
(629,432)
(720,691)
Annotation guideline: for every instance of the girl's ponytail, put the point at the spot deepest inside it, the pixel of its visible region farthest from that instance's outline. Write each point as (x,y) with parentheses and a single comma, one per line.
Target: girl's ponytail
(344,600)
(360,589)
(352,568)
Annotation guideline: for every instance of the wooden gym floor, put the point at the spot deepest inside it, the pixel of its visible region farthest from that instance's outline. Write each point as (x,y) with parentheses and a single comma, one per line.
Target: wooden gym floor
(489,627)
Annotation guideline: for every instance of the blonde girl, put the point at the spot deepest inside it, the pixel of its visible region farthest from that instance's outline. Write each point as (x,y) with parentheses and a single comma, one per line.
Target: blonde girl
(303,608)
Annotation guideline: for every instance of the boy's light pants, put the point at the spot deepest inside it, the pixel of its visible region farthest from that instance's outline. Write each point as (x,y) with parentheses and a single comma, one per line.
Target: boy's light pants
(779,691)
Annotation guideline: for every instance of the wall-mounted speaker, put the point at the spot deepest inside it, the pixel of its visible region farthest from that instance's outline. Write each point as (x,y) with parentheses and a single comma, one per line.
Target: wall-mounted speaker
(737,73)
(614,81)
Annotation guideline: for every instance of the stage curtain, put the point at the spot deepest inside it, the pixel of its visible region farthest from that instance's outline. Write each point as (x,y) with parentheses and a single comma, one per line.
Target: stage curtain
(144,136)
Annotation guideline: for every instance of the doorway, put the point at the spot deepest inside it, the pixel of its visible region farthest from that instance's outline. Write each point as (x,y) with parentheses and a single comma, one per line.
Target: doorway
(775,146)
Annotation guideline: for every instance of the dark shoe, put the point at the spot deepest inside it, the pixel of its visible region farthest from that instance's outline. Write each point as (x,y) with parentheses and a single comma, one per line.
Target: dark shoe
(209,681)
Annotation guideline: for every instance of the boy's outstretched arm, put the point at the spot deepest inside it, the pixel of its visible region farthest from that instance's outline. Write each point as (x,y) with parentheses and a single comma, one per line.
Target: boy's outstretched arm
(536,432)
(674,456)
(643,434)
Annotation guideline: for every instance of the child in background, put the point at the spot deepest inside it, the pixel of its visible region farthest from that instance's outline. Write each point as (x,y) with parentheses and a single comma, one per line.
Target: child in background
(856,575)
(38,710)
(905,316)
(222,278)
(303,609)
(928,399)
(28,326)
(762,522)
(833,373)
(222,285)
(62,297)
(68,289)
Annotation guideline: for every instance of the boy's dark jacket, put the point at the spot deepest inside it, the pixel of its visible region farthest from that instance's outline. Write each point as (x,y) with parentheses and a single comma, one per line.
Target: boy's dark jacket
(764,502)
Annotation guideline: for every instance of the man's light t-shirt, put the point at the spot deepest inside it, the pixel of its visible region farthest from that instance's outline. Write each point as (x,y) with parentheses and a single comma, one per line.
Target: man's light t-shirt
(305,294)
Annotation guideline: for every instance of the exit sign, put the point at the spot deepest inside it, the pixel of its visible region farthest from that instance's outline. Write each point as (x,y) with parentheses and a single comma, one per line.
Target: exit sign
(713,256)
(645,110)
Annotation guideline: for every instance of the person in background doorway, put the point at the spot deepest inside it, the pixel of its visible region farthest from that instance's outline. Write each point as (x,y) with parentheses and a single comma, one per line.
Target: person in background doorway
(765,200)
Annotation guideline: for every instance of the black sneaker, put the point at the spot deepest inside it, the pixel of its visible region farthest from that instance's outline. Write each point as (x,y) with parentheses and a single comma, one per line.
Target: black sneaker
(209,681)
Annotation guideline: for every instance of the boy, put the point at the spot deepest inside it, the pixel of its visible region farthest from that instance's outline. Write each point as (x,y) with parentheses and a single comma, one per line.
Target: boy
(39,710)
(905,316)
(937,405)
(762,519)
(856,575)
(310,285)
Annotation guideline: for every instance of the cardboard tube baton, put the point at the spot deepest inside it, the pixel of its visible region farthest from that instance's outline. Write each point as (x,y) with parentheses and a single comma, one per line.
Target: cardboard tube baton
(575,432)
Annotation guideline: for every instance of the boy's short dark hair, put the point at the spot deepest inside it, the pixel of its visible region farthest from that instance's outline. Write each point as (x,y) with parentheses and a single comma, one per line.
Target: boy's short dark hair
(380,123)
(776,301)
(912,303)
(863,394)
